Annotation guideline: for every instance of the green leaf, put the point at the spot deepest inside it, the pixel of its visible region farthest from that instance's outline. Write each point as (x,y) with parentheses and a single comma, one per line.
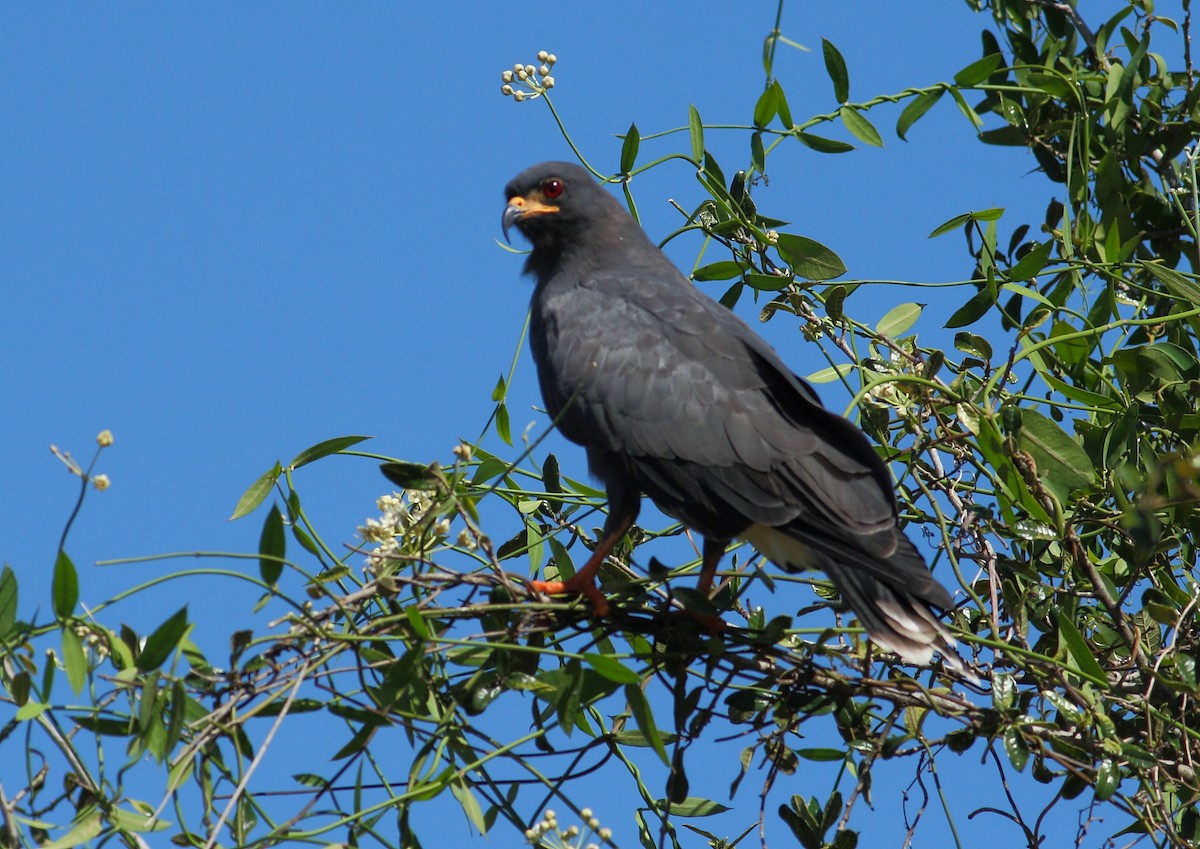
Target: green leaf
(503,429)
(163,641)
(725,269)
(8,603)
(410,475)
(74,661)
(82,831)
(692,806)
(828,375)
(470,805)
(696,129)
(965,109)
(324,449)
(835,66)
(914,111)
(821,144)
(1078,647)
(781,104)
(1182,286)
(256,493)
(766,108)
(808,258)
(644,717)
(899,319)
(976,346)
(499,390)
(64,588)
(1108,779)
(629,148)
(1016,749)
(860,127)
(1063,465)
(767,282)
(1032,263)
(973,310)
(272,546)
(758,154)
(822,755)
(612,669)
(992,214)
(979,70)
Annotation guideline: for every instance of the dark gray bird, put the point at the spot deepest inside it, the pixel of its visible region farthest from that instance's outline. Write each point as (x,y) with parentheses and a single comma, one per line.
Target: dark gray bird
(676,397)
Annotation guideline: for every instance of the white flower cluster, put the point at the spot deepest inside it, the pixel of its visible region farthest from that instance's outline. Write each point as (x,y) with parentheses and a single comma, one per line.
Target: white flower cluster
(399,513)
(547,835)
(525,82)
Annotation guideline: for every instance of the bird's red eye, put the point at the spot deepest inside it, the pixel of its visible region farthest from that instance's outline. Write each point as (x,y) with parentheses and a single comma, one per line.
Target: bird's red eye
(552,189)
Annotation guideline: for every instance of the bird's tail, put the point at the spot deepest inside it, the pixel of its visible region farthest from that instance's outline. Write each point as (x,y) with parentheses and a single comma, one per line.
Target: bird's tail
(896,598)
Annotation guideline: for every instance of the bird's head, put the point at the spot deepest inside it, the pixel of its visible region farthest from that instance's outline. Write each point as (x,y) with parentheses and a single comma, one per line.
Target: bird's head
(553,201)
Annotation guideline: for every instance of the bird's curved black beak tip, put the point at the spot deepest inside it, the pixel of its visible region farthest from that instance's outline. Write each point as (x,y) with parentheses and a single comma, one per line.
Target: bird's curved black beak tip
(512,213)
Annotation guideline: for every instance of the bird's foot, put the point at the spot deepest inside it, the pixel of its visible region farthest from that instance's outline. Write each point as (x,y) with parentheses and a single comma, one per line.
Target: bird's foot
(578,584)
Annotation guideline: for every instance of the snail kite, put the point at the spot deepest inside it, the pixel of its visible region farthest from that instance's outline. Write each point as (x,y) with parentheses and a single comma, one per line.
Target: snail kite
(676,397)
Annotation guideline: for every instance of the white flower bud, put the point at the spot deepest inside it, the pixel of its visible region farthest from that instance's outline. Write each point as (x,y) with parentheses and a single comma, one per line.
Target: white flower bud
(506,89)
(548,82)
(518,96)
(543,70)
(518,68)
(529,70)
(507,76)
(551,59)
(101,482)
(522,76)
(586,813)
(542,56)
(104,438)
(605,833)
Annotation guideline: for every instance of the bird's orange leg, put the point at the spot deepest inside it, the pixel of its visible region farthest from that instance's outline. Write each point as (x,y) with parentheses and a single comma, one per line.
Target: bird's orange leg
(711,555)
(583,582)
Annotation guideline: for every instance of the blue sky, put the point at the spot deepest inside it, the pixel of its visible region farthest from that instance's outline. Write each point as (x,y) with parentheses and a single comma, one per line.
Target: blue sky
(231,231)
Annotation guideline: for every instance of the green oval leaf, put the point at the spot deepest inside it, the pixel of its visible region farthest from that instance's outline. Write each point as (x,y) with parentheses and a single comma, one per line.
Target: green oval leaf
(64,588)
(821,144)
(725,269)
(835,66)
(8,602)
(696,130)
(976,346)
(860,127)
(410,475)
(914,111)
(973,310)
(692,806)
(808,258)
(612,669)
(1108,779)
(644,717)
(899,319)
(1078,648)
(163,641)
(629,148)
(979,70)
(256,493)
(766,107)
(74,661)
(1063,464)
(324,449)
(1030,265)
(272,546)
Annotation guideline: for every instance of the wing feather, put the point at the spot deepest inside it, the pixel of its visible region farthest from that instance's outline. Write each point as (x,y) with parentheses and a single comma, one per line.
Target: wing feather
(691,404)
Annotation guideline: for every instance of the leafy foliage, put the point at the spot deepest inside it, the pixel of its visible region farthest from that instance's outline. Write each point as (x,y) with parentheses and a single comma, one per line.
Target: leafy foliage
(1045,442)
